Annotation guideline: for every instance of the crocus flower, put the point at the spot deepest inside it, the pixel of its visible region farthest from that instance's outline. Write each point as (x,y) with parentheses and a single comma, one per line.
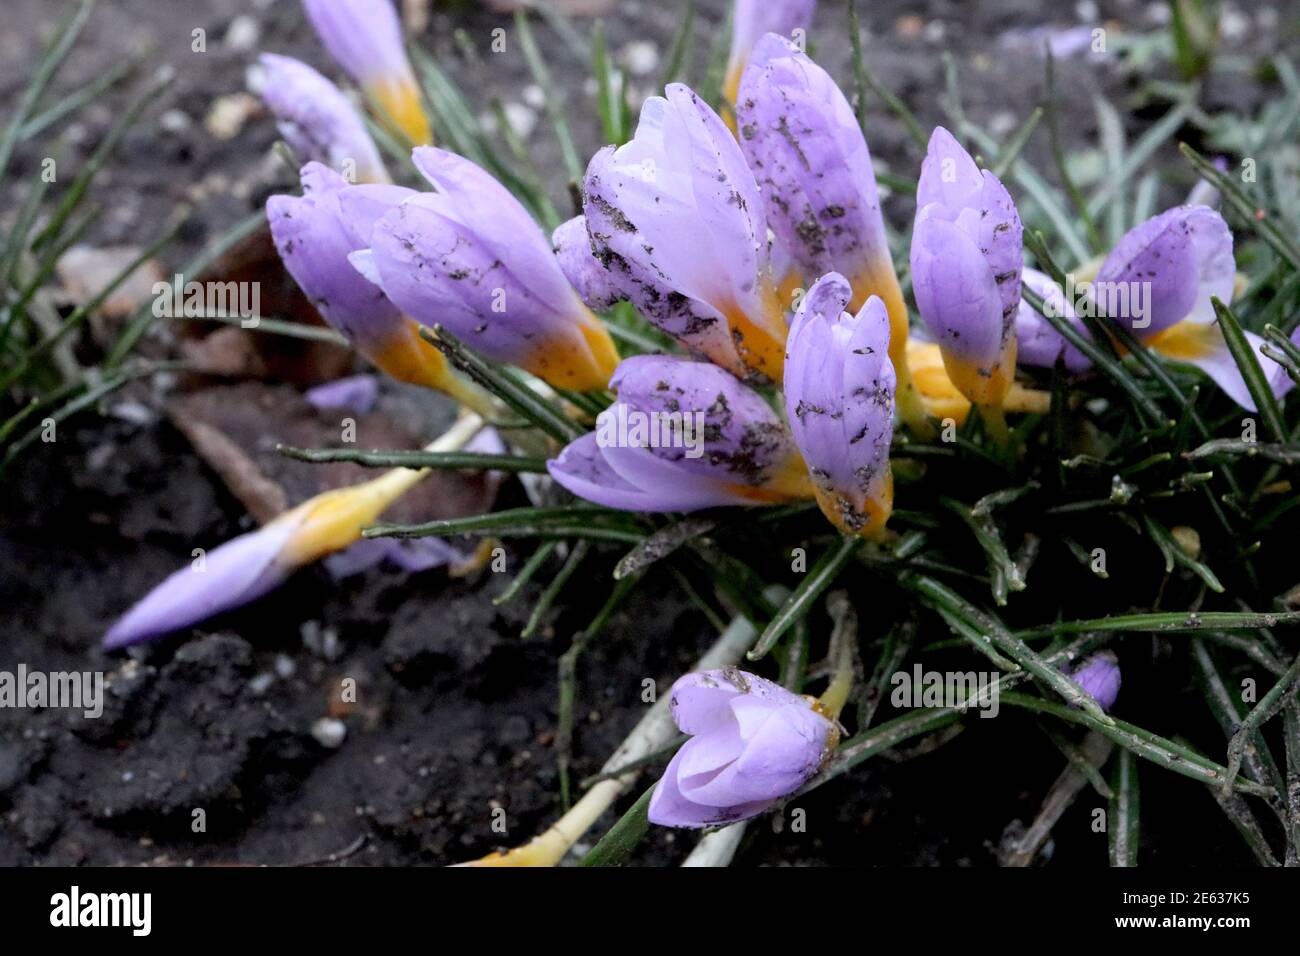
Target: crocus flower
(316,119)
(315,238)
(251,565)
(1038,343)
(1159,281)
(365,38)
(839,399)
(814,170)
(754,18)
(682,436)
(1099,676)
(470,258)
(967,255)
(752,742)
(676,218)
(580,266)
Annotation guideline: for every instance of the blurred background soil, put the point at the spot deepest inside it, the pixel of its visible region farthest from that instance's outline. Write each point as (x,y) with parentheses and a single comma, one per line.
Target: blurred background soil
(456,713)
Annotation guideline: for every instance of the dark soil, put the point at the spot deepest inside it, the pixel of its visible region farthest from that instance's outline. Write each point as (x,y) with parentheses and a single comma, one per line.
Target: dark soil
(456,713)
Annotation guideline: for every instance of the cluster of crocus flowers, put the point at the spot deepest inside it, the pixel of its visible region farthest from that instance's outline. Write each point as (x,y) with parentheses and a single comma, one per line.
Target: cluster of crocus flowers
(316,119)
(315,239)
(1158,282)
(839,399)
(469,258)
(365,38)
(682,436)
(752,742)
(967,255)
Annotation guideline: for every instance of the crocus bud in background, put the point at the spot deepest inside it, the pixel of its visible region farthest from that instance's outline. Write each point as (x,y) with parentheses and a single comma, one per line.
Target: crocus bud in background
(582,269)
(753,18)
(316,119)
(752,742)
(1099,676)
(676,218)
(469,257)
(967,253)
(314,239)
(839,399)
(247,567)
(813,167)
(682,436)
(1037,342)
(365,38)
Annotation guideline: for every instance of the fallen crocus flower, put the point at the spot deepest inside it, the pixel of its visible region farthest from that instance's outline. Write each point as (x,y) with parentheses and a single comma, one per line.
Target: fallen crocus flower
(967,253)
(316,119)
(752,742)
(1099,675)
(469,257)
(1158,281)
(676,218)
(580,266)
(314,239)
(365,38)
(839,399)
(682,436)
(750,20)
(253,564)
(813,167)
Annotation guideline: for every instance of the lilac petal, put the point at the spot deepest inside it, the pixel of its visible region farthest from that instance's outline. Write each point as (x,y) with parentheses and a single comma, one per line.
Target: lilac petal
(669,808)
(956,293)
(754,18)
(675,216)
(316,119)
(1099,675)
(707,753)
(363,36)
(1181,258)
(1038,343)
(1205,347)
(239,571)
(807,150)
(413,556)
(363,206)
(784,745)
(356,393)
(701,701)
(949,175)
(314,242)
(580,266)
(743,439)
(582,469)
(669,487)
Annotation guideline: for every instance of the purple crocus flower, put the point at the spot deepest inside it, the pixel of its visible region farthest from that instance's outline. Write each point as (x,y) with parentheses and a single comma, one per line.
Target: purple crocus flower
(839,399)
(251,565)
(365,38)
(682,436)
(752,742)
(315,240)
(357,393)
(580,266)
(1159,281)
(1038,342)
(1099,676)
(967,254)
(317,120)
(752,19)
(676,218)
(470,258)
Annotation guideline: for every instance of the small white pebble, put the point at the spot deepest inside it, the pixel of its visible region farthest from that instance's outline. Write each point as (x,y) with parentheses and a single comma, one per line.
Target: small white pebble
(329,732)
(243,33)
(641,57)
